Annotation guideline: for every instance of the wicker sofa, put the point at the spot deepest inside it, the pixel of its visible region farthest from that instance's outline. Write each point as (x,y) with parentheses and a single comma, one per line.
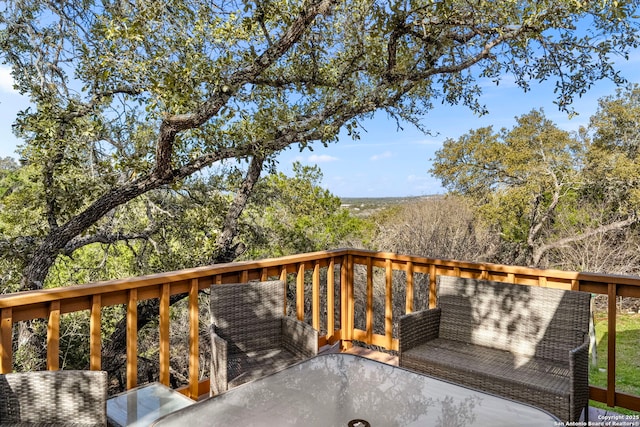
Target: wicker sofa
(525,343)
(54,398)
(250,335)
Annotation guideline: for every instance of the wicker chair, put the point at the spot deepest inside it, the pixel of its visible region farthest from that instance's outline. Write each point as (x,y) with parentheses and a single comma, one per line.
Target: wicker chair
(525,343)
(250,335)
(54,398)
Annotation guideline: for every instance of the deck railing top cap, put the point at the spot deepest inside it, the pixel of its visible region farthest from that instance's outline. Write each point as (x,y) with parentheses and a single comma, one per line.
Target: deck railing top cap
(118,285)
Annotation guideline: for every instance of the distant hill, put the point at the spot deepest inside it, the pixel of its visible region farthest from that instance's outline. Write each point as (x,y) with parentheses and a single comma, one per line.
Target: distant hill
(365,206)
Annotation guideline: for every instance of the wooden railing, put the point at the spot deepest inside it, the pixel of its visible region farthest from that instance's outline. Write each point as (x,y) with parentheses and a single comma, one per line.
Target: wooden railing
(340,283)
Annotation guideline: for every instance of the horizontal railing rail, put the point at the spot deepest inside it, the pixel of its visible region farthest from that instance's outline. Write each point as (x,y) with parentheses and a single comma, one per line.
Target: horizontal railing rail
(329,287)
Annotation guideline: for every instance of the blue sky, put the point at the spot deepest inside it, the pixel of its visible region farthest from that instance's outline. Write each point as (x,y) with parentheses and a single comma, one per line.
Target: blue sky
(386,162)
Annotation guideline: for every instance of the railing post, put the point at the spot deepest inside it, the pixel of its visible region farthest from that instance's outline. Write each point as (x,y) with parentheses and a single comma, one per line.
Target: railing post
(283,277)
(194,333)
(300,292)
(388,310)
(95,334)
(611,344)
(369,308)
(346,297)
(315,297)
(330,300)
(6,340)
(542,282)
(53,337)
(164,356)
(343,302)
(351,300)
(432,286)
(575,285)
(409,294)
(132,339)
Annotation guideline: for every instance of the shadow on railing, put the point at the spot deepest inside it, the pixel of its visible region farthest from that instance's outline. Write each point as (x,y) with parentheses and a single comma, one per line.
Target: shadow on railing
(347,295)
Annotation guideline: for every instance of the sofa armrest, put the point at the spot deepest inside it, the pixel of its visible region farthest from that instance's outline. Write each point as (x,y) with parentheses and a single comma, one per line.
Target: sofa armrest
(299,338)
(579,378)
(418,328)
(218,371)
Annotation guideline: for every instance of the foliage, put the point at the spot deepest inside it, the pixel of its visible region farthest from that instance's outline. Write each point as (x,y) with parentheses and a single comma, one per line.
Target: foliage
(296,215)
(7,167)
(516,177)
(609,199)
(129,98)
(286,215)
(612,163)
(562,200)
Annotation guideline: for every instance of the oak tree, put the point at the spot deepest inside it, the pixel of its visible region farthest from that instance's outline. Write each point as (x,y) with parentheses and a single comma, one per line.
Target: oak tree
(130,97)
(539,186)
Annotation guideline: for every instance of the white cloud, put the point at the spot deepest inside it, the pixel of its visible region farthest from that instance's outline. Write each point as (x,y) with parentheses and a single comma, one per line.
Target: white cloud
(384,155)
(6,81)
(323,158)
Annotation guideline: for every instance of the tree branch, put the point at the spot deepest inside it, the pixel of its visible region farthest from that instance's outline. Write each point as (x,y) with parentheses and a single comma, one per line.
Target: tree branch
(44,256)
(105,238)
(171,125)
(614,226)
(274,52)
(536,225)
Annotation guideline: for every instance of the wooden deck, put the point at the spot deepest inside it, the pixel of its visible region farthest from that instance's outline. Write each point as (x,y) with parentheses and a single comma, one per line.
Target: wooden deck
(595,414)
(93,298)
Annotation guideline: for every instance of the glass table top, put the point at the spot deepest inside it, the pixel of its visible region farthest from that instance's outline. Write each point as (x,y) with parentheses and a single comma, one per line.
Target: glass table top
(140,406)
(347,390)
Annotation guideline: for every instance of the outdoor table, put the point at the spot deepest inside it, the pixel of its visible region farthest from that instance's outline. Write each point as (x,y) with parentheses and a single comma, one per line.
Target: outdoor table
(346,390)
(142,405)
